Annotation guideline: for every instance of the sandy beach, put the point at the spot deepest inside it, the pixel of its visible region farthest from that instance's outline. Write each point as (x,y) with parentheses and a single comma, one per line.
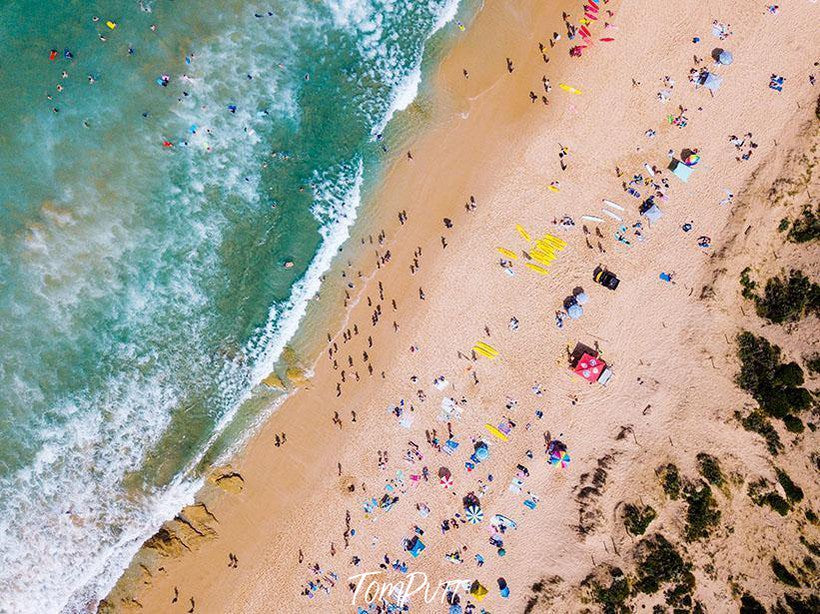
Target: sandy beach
(425,282)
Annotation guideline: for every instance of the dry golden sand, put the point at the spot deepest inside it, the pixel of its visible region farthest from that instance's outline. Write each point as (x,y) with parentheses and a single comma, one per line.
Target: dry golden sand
(671,345)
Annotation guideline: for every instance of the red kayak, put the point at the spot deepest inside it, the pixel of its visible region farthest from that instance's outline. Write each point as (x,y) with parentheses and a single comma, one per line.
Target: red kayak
(607,40)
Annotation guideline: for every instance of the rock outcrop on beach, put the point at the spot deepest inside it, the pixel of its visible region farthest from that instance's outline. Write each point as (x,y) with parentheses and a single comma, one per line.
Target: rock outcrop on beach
(228,480)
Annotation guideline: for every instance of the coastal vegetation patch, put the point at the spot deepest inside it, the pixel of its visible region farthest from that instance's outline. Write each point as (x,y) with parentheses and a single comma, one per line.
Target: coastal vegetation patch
(776,386)
(637,518)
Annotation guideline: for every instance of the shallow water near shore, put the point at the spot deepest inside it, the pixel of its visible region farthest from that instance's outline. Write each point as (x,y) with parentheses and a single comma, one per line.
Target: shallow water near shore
(151,208)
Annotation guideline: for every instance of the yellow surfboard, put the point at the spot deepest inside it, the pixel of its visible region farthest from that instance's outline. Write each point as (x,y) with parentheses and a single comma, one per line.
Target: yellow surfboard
(536,268)
(569,88)
(554,188)
(523,232)
(547,248)
(483,352)
(494,431)
(487,347)
(507,253)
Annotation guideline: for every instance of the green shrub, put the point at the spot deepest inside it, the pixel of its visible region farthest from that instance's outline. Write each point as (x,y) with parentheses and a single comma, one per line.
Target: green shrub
(709,468)
(793,492)
(788,375)
(761,494)
(806,227)
(670,481)
(638,517)
(757,422)
(811,604)
(748,284)
(776,404)
(659,562)
(764,377)
(813,363)
(759,361)
(793,424)
(750,605)
(813,548)
(702,513)
(788,299)
(798,398)
(811,516)
(612,598)
(783,574)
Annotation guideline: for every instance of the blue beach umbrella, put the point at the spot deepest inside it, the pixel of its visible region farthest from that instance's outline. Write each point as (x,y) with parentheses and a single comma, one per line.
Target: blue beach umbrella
(474,514)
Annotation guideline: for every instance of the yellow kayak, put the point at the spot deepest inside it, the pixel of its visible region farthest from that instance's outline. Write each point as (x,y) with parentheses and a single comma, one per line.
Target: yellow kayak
(569,88)
(507,253)
(523,232)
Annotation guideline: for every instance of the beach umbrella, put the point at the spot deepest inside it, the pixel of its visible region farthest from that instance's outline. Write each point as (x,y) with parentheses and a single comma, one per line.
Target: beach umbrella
(581,298)
(725,57)
(482,453)
(575,311)
(447,482)
(559,456)
(691,159)
(474,514)
(711,81)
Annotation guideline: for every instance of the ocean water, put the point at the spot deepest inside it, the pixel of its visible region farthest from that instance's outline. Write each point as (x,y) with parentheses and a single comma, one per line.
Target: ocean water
(145,229)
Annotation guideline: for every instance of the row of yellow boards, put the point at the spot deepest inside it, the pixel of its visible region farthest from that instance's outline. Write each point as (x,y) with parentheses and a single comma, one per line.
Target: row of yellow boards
(543,251)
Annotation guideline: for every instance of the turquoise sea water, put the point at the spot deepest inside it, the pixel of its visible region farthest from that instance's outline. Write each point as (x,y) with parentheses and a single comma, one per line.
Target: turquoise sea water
(144,232)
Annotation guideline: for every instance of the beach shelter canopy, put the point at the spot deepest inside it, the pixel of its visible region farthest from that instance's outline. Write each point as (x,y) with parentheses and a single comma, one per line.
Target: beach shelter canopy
(482,452)
(711,81)
(478,591)
(415,546)
(681,171)
(653,213)
(590,368)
